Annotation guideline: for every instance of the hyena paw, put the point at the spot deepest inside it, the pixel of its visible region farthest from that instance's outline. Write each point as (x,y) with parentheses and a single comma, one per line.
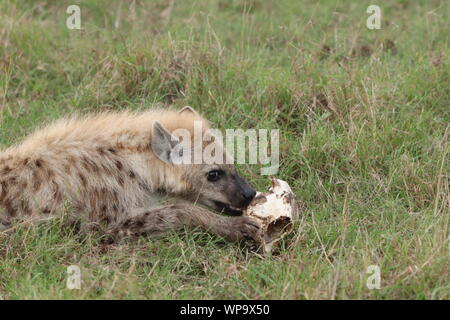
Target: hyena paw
(246,229)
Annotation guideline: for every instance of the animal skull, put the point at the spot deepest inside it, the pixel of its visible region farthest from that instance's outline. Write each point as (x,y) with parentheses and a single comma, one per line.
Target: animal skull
(275,210)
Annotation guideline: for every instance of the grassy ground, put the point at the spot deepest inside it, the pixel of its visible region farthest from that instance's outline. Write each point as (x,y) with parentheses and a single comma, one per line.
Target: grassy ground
(364,121)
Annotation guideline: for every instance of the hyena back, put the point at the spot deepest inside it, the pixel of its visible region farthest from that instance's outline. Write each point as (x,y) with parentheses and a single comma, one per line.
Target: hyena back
(107,168)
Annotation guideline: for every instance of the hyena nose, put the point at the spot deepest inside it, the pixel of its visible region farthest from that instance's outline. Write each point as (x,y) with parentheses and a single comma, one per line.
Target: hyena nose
(249,194)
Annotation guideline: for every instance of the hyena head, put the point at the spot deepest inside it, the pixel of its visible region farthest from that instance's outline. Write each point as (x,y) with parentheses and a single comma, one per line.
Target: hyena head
(201,163)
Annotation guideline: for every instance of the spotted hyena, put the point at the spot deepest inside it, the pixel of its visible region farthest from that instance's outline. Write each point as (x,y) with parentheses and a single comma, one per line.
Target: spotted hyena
(113,170)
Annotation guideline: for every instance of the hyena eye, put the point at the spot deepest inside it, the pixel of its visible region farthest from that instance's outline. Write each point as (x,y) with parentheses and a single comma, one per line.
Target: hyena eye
(215,175)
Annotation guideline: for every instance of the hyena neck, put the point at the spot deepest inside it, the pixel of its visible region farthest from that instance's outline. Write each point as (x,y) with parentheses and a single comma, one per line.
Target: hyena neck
(167,178)
(134,146)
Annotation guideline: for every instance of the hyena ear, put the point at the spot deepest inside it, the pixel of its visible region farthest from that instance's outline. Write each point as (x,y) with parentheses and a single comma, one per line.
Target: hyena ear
(188,110)
(163,143)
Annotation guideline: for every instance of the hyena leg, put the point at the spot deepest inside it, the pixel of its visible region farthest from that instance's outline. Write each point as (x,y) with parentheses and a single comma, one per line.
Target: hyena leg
(157,222)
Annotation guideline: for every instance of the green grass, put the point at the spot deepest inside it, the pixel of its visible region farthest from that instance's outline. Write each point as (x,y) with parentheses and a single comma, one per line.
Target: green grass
(364,122)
